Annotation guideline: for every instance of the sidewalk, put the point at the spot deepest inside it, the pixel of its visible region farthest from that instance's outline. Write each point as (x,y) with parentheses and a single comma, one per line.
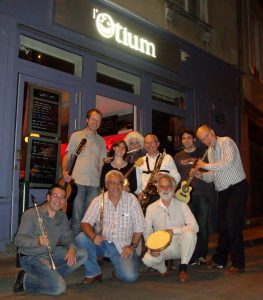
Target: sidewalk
(203,284)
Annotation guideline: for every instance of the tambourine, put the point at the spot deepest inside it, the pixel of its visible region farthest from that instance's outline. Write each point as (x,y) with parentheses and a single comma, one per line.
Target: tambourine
(159,240)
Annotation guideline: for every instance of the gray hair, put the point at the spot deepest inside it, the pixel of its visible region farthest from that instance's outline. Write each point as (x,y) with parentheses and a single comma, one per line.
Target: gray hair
(134,135)
(169,177)
(113,172)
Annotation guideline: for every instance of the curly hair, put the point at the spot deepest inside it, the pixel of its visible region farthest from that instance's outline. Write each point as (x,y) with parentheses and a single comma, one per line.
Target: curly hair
(134,135)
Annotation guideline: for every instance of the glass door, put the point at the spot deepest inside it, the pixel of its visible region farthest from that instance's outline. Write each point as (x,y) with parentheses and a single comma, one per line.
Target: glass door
(46,115)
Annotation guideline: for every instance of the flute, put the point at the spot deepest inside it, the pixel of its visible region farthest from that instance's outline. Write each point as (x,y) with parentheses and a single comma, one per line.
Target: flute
(43,232)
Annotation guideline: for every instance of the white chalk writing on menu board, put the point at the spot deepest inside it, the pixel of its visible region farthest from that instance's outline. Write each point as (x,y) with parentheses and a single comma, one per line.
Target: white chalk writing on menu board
(44,116)
(43,162)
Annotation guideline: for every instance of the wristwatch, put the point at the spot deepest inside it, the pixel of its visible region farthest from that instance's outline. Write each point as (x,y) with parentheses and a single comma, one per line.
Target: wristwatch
(134,245)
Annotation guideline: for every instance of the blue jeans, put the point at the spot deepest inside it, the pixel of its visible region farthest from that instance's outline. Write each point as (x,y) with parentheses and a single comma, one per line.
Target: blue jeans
(40,279)
(125,269)
(80,205)
(199,206)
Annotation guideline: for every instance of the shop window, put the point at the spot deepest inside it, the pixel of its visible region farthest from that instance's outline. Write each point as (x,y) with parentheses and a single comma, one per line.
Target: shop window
(118,79)
(119,118)
(50,56)
(168,95)
(167,127)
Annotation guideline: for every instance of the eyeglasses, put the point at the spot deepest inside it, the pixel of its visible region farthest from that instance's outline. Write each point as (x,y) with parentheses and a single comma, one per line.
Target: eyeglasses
(150,143)
(58,196)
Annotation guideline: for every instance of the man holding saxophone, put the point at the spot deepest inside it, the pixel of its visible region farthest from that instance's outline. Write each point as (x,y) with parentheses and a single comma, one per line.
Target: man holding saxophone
(147,173)
(46,247)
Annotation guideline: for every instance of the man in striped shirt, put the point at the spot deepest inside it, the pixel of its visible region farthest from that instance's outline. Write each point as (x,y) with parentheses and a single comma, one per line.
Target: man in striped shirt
(225,169)
(119,232)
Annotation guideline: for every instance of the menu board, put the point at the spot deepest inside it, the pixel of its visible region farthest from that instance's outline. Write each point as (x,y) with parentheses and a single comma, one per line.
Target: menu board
(42,162)
(44,111)
(44,117)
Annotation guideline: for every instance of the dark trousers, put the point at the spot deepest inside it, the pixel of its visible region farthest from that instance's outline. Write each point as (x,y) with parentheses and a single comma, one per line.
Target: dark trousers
(232,207)
(199,206)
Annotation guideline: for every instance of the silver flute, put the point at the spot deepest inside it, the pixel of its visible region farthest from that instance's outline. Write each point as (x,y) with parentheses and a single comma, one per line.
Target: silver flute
(43,232)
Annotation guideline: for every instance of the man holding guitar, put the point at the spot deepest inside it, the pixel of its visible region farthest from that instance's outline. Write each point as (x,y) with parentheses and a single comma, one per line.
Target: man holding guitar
(198,192)
(86,173)
(225,169)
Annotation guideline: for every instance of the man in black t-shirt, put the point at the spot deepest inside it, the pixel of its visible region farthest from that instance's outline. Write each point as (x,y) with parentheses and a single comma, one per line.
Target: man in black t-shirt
(199,203)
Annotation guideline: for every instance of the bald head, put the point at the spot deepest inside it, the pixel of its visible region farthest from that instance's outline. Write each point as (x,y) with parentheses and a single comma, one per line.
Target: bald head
(206,135)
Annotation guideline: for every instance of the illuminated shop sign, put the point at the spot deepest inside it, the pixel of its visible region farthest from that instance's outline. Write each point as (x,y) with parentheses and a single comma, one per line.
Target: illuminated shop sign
(110,26)
(109,29)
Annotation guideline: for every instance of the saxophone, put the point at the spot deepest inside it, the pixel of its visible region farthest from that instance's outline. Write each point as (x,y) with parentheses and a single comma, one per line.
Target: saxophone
(151,187)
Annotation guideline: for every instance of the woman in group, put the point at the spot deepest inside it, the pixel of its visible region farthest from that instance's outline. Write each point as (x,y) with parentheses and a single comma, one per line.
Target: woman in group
(119,152)
(135,142)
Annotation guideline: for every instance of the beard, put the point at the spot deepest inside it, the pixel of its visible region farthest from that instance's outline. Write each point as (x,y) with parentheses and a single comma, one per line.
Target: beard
(166,196)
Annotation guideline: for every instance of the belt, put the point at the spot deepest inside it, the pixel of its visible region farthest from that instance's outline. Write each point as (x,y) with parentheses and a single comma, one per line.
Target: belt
(21,255)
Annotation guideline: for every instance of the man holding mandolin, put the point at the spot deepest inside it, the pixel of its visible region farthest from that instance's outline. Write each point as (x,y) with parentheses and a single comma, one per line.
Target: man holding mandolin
(169,215)
(86,173)
(195,189)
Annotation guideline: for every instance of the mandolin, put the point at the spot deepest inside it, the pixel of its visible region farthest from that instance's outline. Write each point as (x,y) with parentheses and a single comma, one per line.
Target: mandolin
(71,188)
(137,163)
(183,194)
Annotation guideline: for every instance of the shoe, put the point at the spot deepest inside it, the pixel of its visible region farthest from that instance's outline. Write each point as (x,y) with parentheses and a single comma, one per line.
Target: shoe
(201,261)
(89,280)
(197,262)
(182,277)
(166,273)
(210,264)
(234,270)
(114,277)
(19,282)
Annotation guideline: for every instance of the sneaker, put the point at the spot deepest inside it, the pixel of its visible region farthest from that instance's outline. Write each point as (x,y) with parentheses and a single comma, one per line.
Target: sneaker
(19,282)
(197,262)
(201,261)
(194,262)
(213,265)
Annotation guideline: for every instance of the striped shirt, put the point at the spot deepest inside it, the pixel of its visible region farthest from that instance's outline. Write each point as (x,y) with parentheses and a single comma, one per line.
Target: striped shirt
(225,165)
(168,166)
(119,223)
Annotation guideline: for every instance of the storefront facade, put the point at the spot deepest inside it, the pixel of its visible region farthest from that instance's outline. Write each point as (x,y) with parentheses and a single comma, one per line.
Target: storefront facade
(61,58)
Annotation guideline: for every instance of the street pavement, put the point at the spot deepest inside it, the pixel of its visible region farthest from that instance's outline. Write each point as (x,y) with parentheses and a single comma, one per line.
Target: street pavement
(203,284)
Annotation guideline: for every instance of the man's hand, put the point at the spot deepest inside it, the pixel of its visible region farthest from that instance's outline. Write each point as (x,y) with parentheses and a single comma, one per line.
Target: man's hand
(98,240)
(67,177)
(140,196)
(43,240)
(155,253)
(70,257)
(170,231)
(127,251)
(200,164)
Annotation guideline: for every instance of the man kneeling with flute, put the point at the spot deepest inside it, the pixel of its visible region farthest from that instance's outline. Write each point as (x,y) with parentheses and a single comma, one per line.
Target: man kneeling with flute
(46,247)
(169,217)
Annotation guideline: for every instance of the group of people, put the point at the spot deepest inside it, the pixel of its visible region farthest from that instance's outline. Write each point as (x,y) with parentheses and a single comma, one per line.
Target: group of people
(108,219)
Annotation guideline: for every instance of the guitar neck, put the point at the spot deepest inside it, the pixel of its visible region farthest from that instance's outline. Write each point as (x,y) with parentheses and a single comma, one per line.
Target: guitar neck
(129,172)
(72,164)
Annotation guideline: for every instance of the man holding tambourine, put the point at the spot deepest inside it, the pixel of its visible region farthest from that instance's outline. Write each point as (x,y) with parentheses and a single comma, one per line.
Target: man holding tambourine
(170,230)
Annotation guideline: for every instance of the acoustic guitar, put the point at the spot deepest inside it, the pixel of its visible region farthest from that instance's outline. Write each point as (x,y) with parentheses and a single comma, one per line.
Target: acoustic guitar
(71,188)
(183,194)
